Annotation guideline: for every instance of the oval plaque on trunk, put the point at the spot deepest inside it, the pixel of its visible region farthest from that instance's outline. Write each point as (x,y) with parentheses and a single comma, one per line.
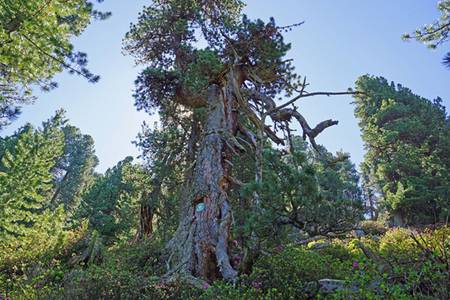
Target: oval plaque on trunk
(200,207)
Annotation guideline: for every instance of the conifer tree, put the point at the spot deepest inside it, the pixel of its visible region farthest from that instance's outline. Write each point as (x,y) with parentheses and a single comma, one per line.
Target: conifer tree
(305,191)
(407,138)
(28,226)
(74,170)
(164,154)
(222,95)
(111,204)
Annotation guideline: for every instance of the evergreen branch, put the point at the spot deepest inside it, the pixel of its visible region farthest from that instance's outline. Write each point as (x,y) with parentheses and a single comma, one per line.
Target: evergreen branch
(62,62)
(290,26)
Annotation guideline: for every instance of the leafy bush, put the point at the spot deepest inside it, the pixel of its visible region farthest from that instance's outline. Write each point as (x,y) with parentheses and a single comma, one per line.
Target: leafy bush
(31,268)
(404,264)
(126,272)
(373,227)
(401,264)
(294,272)
(224,291)
(337,250)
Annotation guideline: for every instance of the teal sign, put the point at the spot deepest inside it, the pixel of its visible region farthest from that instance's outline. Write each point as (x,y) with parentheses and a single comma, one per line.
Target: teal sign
(200,207)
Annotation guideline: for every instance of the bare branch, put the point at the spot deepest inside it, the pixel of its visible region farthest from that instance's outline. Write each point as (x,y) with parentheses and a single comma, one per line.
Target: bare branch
(303,95)
(273,136)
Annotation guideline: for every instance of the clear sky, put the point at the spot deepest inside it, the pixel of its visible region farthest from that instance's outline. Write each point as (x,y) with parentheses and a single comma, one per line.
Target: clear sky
(339,41)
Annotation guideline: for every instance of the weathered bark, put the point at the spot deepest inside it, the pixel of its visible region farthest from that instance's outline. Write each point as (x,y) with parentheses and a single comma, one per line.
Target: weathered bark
(145,229)
(200,244)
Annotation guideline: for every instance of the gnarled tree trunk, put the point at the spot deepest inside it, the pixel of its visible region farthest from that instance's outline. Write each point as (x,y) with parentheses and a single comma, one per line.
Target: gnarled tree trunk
(200,244)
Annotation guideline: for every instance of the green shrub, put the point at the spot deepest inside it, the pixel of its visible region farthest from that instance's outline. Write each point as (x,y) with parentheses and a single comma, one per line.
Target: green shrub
(405,265)
(398,244)
(373,227)
(126,272)
(402,264)
(224,291)
(337,250)
(294,272)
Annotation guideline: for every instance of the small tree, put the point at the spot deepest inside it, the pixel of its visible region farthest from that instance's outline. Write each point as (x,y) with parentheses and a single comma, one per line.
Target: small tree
(317,194)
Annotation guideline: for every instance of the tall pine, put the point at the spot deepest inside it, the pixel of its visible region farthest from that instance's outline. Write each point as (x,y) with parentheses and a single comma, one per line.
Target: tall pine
(407,139)
(28,226)
(220,97)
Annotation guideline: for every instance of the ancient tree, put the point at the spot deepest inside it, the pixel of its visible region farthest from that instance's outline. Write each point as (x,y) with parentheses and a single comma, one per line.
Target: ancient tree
(216,76)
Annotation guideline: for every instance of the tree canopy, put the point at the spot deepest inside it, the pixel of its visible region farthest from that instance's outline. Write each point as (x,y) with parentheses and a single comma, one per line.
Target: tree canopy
(407,141)
(36,44)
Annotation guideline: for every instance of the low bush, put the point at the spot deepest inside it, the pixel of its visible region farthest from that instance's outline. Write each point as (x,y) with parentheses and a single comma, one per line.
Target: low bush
(294,272)
(401,264)
(373,227)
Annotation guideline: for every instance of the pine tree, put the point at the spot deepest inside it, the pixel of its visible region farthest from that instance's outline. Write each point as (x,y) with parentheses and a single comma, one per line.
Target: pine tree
(313,193)
(74,170)
(437,33)
(111,204)
(407,139)
(28,226)
(165,159)
(221,96)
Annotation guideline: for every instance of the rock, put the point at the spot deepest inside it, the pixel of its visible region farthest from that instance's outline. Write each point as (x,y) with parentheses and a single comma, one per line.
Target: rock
(328,286)
(331,285)
(359,233)
(318,246)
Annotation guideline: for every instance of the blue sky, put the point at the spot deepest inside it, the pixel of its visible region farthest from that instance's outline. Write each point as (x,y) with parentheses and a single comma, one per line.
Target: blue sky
(339,41)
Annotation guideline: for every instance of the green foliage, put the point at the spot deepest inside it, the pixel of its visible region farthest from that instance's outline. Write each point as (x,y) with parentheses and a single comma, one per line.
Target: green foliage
(33,228)
(264,49)
(408,265)
(127,271)
(27,159)
(41,274)
(314,193)
(38,241)
(177,71)
(436,33)
(157,35)
(74,170)
(111,204)
(205,66)
(403,265)
(294,272)
(68,233)
(408,149)
(36,37)
(164,151)
(224,291)
(373,227)
(36,44)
